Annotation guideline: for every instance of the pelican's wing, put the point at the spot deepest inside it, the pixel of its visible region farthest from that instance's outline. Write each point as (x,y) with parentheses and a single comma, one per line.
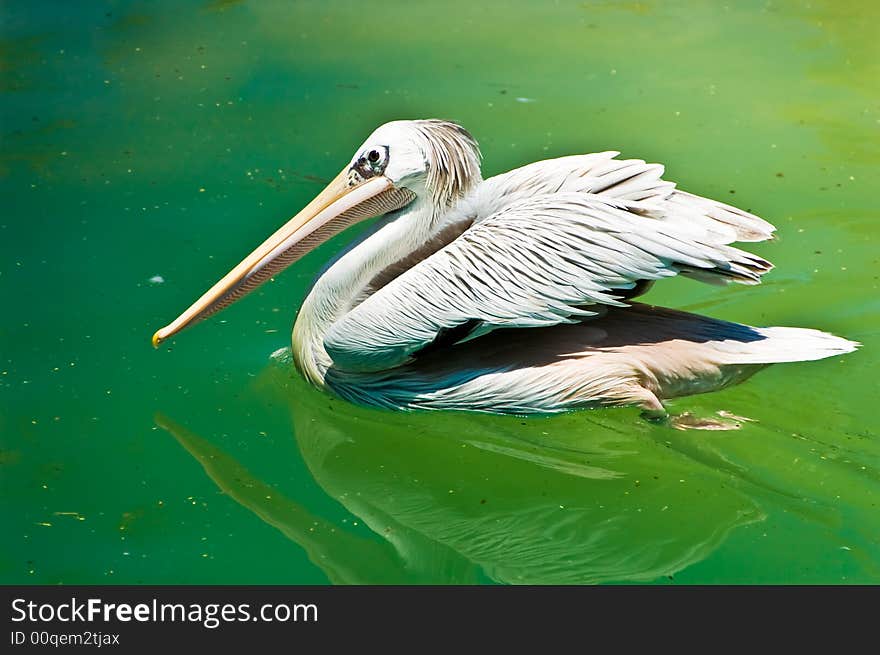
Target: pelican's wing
(574,244)
(628,180)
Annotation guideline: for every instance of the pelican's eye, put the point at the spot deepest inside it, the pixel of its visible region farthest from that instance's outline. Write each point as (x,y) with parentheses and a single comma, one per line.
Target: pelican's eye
(371,162)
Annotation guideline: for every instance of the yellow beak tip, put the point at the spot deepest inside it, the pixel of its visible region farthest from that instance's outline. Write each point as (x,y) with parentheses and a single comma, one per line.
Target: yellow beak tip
(156,339)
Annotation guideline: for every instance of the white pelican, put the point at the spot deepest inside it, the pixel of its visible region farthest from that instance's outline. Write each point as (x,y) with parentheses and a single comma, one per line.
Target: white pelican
(511,294)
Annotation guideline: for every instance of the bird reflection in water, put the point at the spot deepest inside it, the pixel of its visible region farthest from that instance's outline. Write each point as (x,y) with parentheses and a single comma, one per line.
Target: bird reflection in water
(580,507)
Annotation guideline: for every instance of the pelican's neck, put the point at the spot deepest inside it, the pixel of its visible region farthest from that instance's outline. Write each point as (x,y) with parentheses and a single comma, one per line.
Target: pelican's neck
(339,287)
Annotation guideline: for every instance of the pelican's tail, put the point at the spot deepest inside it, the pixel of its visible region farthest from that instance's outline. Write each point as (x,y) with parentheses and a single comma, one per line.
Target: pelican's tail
(787,344)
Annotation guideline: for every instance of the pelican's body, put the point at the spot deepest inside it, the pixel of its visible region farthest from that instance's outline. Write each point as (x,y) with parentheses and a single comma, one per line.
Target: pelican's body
(512,294)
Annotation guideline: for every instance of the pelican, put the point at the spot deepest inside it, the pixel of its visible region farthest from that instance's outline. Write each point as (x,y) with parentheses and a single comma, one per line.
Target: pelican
(512,294)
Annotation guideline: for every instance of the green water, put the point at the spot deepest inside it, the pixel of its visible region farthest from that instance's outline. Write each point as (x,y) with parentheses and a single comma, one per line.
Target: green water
(166,139)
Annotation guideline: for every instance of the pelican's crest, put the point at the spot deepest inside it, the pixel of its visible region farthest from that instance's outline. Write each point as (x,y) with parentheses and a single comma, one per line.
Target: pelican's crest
(453,158)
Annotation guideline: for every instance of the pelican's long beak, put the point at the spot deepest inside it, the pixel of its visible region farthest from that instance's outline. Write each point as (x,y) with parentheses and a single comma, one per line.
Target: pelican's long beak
(334,209)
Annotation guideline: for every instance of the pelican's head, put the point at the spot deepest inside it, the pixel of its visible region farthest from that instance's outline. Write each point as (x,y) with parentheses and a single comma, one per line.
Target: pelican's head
(434,161)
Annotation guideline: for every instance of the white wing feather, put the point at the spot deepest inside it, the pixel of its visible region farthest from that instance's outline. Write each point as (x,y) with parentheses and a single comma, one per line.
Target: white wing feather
(625,180)
(549,243)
